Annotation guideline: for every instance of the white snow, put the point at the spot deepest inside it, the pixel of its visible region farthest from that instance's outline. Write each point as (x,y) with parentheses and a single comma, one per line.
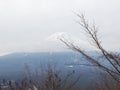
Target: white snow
(55,37)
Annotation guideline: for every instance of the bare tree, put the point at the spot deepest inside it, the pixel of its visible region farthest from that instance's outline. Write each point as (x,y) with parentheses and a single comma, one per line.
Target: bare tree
(92,33)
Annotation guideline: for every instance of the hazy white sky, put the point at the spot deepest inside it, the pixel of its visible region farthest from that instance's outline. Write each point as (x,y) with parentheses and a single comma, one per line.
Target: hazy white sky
(25,24)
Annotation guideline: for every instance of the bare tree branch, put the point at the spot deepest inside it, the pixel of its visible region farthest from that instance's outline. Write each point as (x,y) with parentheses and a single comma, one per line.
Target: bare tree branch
(92,32)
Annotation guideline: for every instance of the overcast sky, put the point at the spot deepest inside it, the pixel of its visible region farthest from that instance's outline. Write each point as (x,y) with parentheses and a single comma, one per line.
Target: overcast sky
(25,25)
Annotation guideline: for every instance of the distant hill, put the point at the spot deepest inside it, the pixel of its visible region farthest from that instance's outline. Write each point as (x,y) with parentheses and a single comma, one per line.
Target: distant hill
(13,65)
(15,62)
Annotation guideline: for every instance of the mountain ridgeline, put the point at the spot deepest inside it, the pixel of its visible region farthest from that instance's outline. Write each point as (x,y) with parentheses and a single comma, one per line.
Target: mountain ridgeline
(13,65)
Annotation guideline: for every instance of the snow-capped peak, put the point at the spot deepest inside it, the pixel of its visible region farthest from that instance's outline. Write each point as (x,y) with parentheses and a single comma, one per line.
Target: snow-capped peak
(56,36)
